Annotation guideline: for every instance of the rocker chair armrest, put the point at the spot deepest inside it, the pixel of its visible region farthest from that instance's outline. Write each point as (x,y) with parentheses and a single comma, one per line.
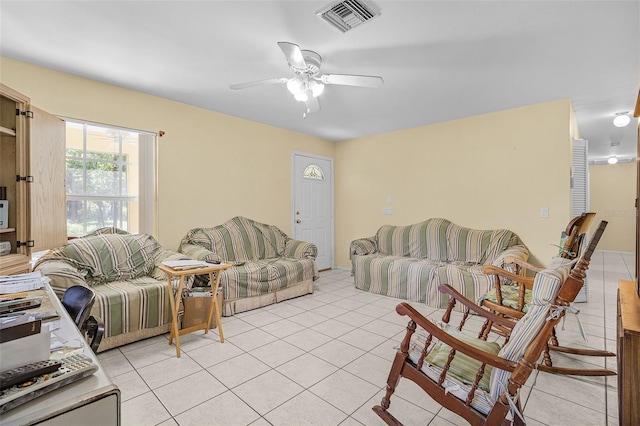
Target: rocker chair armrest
(522,263)
(459,346)
(456,296)
(496,270)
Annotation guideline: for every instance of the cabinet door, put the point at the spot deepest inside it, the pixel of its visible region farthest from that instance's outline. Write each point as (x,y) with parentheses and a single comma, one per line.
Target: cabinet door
(47,193)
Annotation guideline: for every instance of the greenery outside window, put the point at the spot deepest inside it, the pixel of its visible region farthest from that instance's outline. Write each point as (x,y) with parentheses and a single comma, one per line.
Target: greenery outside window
(110,174)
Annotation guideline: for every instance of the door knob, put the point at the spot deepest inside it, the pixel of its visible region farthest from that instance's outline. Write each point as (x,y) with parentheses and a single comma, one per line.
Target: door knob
(298,221)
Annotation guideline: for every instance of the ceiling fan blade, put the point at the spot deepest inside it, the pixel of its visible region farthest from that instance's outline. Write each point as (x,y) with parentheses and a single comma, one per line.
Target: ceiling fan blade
(259,83)
(293,54)
(352,80)
(311,105)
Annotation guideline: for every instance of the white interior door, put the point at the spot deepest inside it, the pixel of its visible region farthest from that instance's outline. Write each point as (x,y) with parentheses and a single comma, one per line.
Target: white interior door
(313,204)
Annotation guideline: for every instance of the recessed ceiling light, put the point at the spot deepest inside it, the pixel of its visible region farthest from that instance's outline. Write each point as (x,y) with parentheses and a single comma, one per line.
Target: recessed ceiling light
(621,119)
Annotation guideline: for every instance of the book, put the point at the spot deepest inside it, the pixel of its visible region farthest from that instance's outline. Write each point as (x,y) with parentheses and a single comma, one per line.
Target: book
(11,331)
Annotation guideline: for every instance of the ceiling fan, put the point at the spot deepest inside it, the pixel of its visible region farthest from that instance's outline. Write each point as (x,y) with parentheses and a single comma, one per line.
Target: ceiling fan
(307,84)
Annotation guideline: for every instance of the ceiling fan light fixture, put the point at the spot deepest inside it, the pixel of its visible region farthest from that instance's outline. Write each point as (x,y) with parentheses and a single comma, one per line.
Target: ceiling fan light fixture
(316,88)
(301,97)
(297,89)
(621,119)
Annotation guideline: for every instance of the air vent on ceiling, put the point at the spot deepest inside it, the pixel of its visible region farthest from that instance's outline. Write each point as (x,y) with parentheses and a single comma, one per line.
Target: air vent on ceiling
(345,15)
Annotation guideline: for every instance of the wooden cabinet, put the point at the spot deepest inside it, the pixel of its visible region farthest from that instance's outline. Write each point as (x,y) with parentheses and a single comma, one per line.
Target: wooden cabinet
(32,168)
(628,353)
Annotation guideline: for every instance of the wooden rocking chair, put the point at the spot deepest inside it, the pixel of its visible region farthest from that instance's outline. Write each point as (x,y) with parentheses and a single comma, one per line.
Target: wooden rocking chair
(451,366)
(503,301)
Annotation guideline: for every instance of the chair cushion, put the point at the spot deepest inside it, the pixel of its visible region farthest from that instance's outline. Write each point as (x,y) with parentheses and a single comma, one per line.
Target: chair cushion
(452,383)
(546,285)
(463,367)
(509,297)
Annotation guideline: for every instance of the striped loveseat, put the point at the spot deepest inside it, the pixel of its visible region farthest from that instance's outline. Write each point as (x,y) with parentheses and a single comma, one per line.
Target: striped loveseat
(410,262)
(267,265)
(122,269)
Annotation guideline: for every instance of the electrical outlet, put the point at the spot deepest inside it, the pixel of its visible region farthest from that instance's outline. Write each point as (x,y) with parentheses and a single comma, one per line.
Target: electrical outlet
(387,211)
(544,212)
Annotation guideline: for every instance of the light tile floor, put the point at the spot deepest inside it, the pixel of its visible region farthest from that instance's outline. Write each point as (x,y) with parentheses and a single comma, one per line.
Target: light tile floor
(323,359)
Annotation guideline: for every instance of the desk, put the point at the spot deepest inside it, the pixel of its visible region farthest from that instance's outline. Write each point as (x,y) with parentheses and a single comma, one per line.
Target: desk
(91,400)
(174,299)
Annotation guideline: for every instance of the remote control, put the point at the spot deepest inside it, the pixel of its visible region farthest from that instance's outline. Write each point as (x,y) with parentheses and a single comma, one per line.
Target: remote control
(17,375)
(74,367)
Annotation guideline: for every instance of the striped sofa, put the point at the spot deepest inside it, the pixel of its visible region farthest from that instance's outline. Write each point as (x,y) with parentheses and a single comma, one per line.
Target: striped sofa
(267,265)
(410,262)
(122,269)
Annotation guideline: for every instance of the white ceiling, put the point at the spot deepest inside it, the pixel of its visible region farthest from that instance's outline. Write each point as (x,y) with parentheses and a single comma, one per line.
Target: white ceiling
(440,60)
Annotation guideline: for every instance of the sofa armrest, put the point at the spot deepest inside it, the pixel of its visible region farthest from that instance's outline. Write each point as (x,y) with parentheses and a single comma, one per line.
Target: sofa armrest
(63,274)
(297,249)
(363,246)
(512,258)
(193,251)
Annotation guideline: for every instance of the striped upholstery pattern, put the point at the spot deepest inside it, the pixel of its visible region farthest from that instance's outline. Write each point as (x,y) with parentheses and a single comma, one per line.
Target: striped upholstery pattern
(111,257)
(545,288)
(239,240)
(463,367)
(410,262)
(136,304)
(456,385)
(469,280)
(425,240)
(131,292)
(264,258)
(510,294)
(395,276)
(467,245)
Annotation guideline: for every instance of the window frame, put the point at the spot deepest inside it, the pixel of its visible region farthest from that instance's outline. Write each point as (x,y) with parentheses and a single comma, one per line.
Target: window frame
(147,172)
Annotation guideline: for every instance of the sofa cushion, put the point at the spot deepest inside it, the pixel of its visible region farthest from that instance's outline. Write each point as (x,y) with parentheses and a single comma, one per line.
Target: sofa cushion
(111,257)
(131,305)
(240,240)
(396,276)
(424,240)
(428,240)
(393,240)
(254,278)
(467,245)
(501,240)
(271,240)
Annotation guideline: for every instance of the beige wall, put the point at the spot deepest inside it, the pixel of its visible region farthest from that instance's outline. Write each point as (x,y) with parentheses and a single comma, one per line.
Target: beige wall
(211,166)
(613,194)
(489,171)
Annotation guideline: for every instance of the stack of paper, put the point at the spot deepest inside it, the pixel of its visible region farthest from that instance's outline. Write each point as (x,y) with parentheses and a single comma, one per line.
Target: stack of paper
(185,264)
(22,282)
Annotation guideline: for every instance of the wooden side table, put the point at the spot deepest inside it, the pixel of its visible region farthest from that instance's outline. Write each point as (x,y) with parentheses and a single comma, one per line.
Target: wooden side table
(174,299)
